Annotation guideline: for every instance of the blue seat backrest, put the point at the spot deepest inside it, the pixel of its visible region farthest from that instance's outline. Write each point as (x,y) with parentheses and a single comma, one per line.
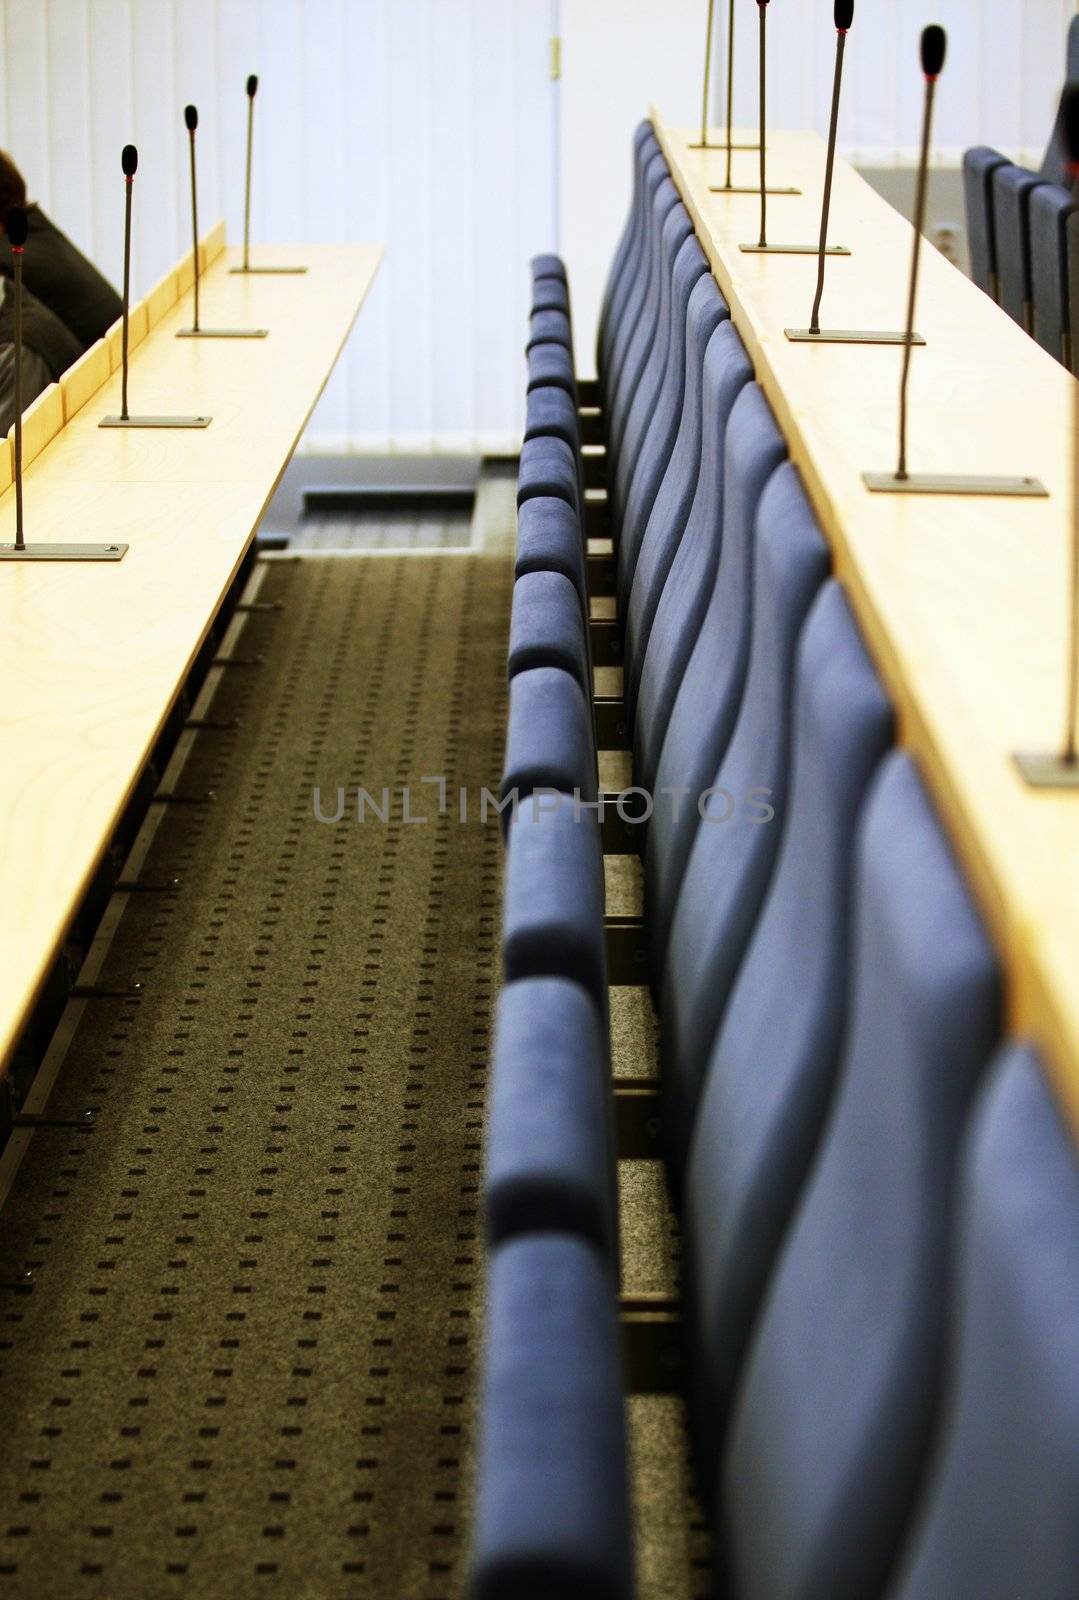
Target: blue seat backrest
(732,856)
(676,575)
(833,1416)
(638,274)
(710,693)
(770,1076)
(998,1518)
(645,147)
(670,228)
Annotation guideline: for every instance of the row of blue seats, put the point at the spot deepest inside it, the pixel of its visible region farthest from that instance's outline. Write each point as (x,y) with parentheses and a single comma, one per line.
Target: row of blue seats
(879,1202)
(1023,229)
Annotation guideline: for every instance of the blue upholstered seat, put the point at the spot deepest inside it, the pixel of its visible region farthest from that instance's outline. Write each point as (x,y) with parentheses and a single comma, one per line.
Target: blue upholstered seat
(663,488)
(651,425)
(669,228)
(549,327)
(551,411)
(732,856)
(549,540)
(676,571)
(1050,209)
(550,1147)
(548,468)
(710,693)
(550,294)
(628,298)
(979,165)
(770,1075)
(549,739)
(552,364)
(833,1417)
(552,903)
(546,627)
(1012,189)
(552,1514)
(645,147)
(997,1519)
(548,266)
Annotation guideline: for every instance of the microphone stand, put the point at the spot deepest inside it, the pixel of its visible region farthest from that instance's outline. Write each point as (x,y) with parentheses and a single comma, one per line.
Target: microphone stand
(19,550)
(197,331)
(902,481)
(761,188)
(247,269)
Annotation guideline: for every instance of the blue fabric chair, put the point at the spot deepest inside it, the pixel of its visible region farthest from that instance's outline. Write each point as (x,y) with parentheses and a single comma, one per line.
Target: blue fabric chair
(645,147)
(549,738)
(652,423)
(1050,209)
(617,315)
(710,693)
(769,1079)
(549,540)
(676,571)
(549,467)
(550,294)
(670,229)
(546,629)
(551,412)
(552,902)
(552,1516)
(550,1148)
(669,466)
(548,266)
(731,861)
(999,1519)
(551,364)
(833,1417)
(549,327)
(979,166)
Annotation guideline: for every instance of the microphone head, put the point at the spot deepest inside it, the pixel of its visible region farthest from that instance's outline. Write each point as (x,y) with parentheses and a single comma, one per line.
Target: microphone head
(934,45)
(129,160)
(191,118)
(844,14)
(16,227)
(252,85)
(1069,125)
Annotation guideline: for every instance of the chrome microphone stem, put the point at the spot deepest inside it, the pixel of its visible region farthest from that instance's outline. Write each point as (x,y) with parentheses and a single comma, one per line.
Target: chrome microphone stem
(762,8)
(919,224)
(16,259)
(247,181)
(833,126)
(1071,726)
(195,224)
(707,74)
(127,299)
(730,89)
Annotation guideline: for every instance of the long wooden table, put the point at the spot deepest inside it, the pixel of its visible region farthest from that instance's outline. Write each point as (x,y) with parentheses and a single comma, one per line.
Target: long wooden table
(963,602)
(95,654)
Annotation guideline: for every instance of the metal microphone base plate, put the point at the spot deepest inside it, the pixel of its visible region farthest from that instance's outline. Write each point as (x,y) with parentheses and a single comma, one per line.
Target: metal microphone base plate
(738,188)
(63,552)
(223,333)
(1044,771)
(793,249)
(154,422)
(723,146)
(849,336)
(953,483)
(247,271)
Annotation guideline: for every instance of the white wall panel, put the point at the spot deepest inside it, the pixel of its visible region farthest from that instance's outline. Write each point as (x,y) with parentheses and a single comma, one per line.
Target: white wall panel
(423,123)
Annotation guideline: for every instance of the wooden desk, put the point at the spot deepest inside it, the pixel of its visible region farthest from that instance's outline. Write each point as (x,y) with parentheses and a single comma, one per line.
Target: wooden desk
(93,654)
(963,602)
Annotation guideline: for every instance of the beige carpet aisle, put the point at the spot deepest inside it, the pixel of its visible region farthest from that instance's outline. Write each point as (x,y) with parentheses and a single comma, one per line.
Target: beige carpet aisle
(244,1361)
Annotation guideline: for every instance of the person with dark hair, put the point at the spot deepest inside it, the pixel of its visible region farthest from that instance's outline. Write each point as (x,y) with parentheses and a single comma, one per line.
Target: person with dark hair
(48,349)
(57,273)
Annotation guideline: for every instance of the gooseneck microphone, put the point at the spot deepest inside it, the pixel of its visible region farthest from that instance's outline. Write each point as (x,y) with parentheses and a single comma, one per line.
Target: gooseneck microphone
(252,90)
(761,187)
(707,74)
(762,13)
(1060,770)
(129,164)
(902,481)
(129,161)
(844,16)
(191,122)
(197,331)
(17,230)
(934,46)
(245,269)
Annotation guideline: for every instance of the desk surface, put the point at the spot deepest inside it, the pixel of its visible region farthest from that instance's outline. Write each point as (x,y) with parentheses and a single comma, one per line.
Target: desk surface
(94,654)
(963,601)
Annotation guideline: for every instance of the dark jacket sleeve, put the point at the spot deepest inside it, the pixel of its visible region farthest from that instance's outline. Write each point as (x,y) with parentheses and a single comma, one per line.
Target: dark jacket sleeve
(35,379)
(61,277)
